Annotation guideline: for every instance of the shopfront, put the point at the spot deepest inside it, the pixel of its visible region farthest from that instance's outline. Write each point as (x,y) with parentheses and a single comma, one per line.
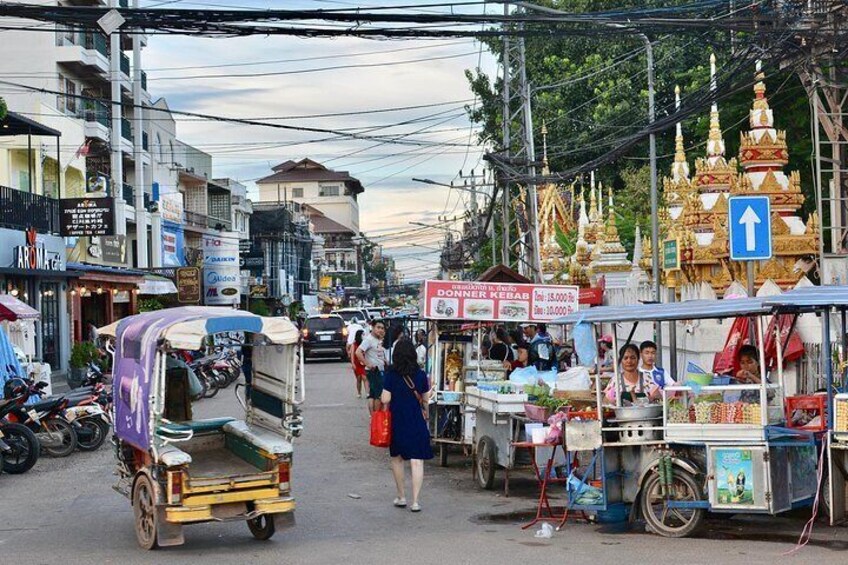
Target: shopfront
(101,295)
(34,270)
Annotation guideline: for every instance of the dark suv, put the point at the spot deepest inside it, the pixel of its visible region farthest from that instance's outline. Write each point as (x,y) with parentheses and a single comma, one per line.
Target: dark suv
(325,335)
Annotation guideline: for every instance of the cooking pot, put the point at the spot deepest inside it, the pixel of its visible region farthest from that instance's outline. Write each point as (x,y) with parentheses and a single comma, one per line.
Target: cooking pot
(631,413)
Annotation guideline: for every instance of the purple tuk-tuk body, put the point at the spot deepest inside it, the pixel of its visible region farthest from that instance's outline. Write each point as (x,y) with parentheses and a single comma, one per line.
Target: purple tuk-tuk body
(136,341)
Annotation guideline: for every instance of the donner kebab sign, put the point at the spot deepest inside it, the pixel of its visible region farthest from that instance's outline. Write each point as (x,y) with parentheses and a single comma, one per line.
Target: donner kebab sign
(30,256)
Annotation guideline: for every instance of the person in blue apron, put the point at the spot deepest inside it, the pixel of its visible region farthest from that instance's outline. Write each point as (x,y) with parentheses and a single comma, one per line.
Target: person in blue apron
(651,373)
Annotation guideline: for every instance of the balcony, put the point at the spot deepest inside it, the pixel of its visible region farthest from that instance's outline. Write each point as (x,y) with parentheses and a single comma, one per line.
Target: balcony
(97,42)
(83,53)
(21,210)
(144,81)
(128,194)
(202,221)
(96,116)
(125,64)
(144,141)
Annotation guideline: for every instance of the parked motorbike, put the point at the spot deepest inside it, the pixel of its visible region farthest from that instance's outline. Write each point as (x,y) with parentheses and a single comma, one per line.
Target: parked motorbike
(23,445)
(57,436)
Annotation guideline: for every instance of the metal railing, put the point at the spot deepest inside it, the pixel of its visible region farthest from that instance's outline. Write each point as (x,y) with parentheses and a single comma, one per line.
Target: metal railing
(20,210)
(143,80)
(195,219)
(128,194)
(96,111)
(144,141)
(125,64)
(97,42)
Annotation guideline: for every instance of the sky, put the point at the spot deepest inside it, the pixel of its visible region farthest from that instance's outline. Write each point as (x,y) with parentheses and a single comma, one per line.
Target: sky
(262,78)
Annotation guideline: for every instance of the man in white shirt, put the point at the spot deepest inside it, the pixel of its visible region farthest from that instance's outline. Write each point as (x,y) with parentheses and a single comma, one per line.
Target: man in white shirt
(371,354)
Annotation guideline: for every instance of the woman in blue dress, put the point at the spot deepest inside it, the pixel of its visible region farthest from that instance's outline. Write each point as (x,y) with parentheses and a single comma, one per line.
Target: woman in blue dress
(406,392)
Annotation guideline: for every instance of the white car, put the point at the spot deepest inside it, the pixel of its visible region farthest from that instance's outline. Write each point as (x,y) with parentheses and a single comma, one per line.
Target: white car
(351,314)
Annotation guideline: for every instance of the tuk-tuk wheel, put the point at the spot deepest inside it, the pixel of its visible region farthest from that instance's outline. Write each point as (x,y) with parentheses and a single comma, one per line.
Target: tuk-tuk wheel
(672,522)
(486,462)
(262,527)
(144,510)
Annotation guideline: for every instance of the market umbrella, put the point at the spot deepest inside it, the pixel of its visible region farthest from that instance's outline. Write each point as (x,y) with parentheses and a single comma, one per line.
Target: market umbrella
(154,284)
(12,309)
(727,360)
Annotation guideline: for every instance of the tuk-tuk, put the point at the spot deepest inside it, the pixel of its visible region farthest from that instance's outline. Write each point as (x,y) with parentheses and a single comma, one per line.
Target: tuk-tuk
(177,469)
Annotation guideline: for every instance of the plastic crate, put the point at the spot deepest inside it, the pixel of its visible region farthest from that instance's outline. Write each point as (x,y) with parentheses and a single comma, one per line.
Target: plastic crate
(816,404)
(536,413)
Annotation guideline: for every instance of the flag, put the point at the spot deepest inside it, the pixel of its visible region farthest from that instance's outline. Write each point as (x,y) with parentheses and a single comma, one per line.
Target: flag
(83,149)
(793,347)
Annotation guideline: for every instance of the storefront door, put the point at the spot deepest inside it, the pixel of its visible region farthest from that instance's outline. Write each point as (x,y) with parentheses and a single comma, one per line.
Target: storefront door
(50,339)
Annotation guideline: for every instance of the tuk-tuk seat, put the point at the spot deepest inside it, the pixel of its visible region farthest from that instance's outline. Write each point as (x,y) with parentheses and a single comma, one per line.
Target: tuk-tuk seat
(172,456)
(200,426)
(267,441)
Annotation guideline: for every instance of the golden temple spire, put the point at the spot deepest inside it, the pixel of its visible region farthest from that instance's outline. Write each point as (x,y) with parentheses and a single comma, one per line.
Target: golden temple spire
(545,168)
(715,142)
(593,202)
(612,230)
(680,168)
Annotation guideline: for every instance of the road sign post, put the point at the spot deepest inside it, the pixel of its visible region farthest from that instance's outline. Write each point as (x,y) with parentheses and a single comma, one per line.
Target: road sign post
(671,255)
(749,230)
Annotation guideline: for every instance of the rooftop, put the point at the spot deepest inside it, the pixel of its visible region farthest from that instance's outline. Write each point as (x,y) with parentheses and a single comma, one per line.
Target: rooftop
(309,170)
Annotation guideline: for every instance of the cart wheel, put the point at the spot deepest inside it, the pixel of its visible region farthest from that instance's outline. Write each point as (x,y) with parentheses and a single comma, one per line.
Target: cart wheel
(262,527)
(443,455)
(486,463)
(672,522)
(144,510)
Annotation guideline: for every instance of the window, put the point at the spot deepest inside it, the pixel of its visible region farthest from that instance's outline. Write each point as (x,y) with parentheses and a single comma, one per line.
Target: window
(67,102)
(332,190)
(297,193)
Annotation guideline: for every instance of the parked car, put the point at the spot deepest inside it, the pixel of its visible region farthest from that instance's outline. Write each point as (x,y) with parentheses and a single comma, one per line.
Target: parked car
(376,312)
(325,334)
(351,314)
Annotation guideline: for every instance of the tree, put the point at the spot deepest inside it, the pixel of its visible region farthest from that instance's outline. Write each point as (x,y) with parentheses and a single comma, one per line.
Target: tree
(591,92)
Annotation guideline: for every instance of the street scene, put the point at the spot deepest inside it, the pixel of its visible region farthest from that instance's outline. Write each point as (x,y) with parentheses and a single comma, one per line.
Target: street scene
(478,282)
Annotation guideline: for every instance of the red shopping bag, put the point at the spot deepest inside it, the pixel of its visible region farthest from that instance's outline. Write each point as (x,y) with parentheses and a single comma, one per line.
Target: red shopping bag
(381,428)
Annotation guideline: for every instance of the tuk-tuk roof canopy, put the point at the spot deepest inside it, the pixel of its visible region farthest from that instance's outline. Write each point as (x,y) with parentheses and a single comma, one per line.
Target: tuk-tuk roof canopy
(810,298)
(187,326)
(669,311)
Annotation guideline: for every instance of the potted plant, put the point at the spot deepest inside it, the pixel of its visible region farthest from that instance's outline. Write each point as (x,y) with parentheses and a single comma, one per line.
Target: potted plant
(82,354)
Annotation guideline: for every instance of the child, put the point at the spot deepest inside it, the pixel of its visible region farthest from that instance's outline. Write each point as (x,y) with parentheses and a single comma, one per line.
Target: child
(650,372)
(358,367)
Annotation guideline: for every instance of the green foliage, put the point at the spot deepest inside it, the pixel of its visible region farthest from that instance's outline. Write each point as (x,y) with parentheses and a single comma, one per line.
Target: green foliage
(4,109)
(592,92)
(150,305)
(83,353)
(566,241)
(259,307)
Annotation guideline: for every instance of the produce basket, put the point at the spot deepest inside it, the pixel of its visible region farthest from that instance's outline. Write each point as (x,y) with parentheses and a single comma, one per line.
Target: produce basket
(536,413)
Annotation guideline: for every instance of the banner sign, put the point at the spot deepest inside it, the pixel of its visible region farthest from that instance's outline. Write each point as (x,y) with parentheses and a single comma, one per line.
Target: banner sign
(253,261)
(222,286)
(114,248)
(221,250)
(171,207)
(173,245)
(188,285)
(86,216)
(463,300)
(259,291)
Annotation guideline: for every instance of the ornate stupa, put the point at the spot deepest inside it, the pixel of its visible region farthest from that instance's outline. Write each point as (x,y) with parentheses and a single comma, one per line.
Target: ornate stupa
(552,213)
(763,154)
(678,187)
(609,258)
(578,264)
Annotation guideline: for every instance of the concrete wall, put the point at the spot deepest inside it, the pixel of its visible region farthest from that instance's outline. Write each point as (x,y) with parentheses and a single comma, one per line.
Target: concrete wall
(342,209)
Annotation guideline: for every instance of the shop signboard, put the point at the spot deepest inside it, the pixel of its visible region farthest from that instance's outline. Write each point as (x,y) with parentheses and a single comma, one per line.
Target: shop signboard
(221,286)
(87,216)
(114,248)
(173,245)
(221,250)
(28,250)
(671,255)
(253,261)
(188,285)
(498,301)
(171,207)
(259,291)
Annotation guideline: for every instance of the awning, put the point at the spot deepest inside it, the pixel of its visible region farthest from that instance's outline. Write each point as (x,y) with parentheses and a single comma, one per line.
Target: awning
(154,284)
(12,309)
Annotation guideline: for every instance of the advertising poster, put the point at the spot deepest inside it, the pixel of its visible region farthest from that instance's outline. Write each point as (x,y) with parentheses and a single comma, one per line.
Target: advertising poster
(221,270)
(734,470)
(503,302)
(188,285)
(171,207)
(114,248)
(173,245)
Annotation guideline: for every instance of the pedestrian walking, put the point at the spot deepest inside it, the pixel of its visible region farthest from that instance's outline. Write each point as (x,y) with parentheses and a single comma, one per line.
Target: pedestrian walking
(371,354)
(358,366)
(407,391)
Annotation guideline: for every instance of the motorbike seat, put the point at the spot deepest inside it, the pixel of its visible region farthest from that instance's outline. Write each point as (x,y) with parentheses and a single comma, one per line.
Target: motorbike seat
(46,404)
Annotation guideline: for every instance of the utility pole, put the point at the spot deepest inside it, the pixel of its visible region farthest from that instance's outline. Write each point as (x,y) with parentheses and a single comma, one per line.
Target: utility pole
(531,247)
(506,120)
(138,146)
(117,173)
(652,149)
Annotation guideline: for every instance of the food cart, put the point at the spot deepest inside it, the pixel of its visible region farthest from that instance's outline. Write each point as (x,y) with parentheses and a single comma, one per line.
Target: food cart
(476,406)
(713,446)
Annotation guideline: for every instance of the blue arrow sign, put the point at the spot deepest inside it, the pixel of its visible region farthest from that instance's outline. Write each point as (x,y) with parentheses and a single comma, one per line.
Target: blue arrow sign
(749,227)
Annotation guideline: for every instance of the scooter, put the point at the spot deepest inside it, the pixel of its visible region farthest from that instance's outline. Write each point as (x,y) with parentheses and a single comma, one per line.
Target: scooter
(57,436)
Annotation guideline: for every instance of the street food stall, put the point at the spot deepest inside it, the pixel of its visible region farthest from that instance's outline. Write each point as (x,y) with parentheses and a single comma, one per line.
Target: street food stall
(705,444)
(476,406)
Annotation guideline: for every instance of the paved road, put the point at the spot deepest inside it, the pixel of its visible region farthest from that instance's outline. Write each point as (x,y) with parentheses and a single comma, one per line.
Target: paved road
(64,511)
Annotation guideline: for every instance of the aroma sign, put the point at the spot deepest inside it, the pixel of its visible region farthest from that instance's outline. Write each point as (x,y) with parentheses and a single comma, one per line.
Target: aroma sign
(31,256)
